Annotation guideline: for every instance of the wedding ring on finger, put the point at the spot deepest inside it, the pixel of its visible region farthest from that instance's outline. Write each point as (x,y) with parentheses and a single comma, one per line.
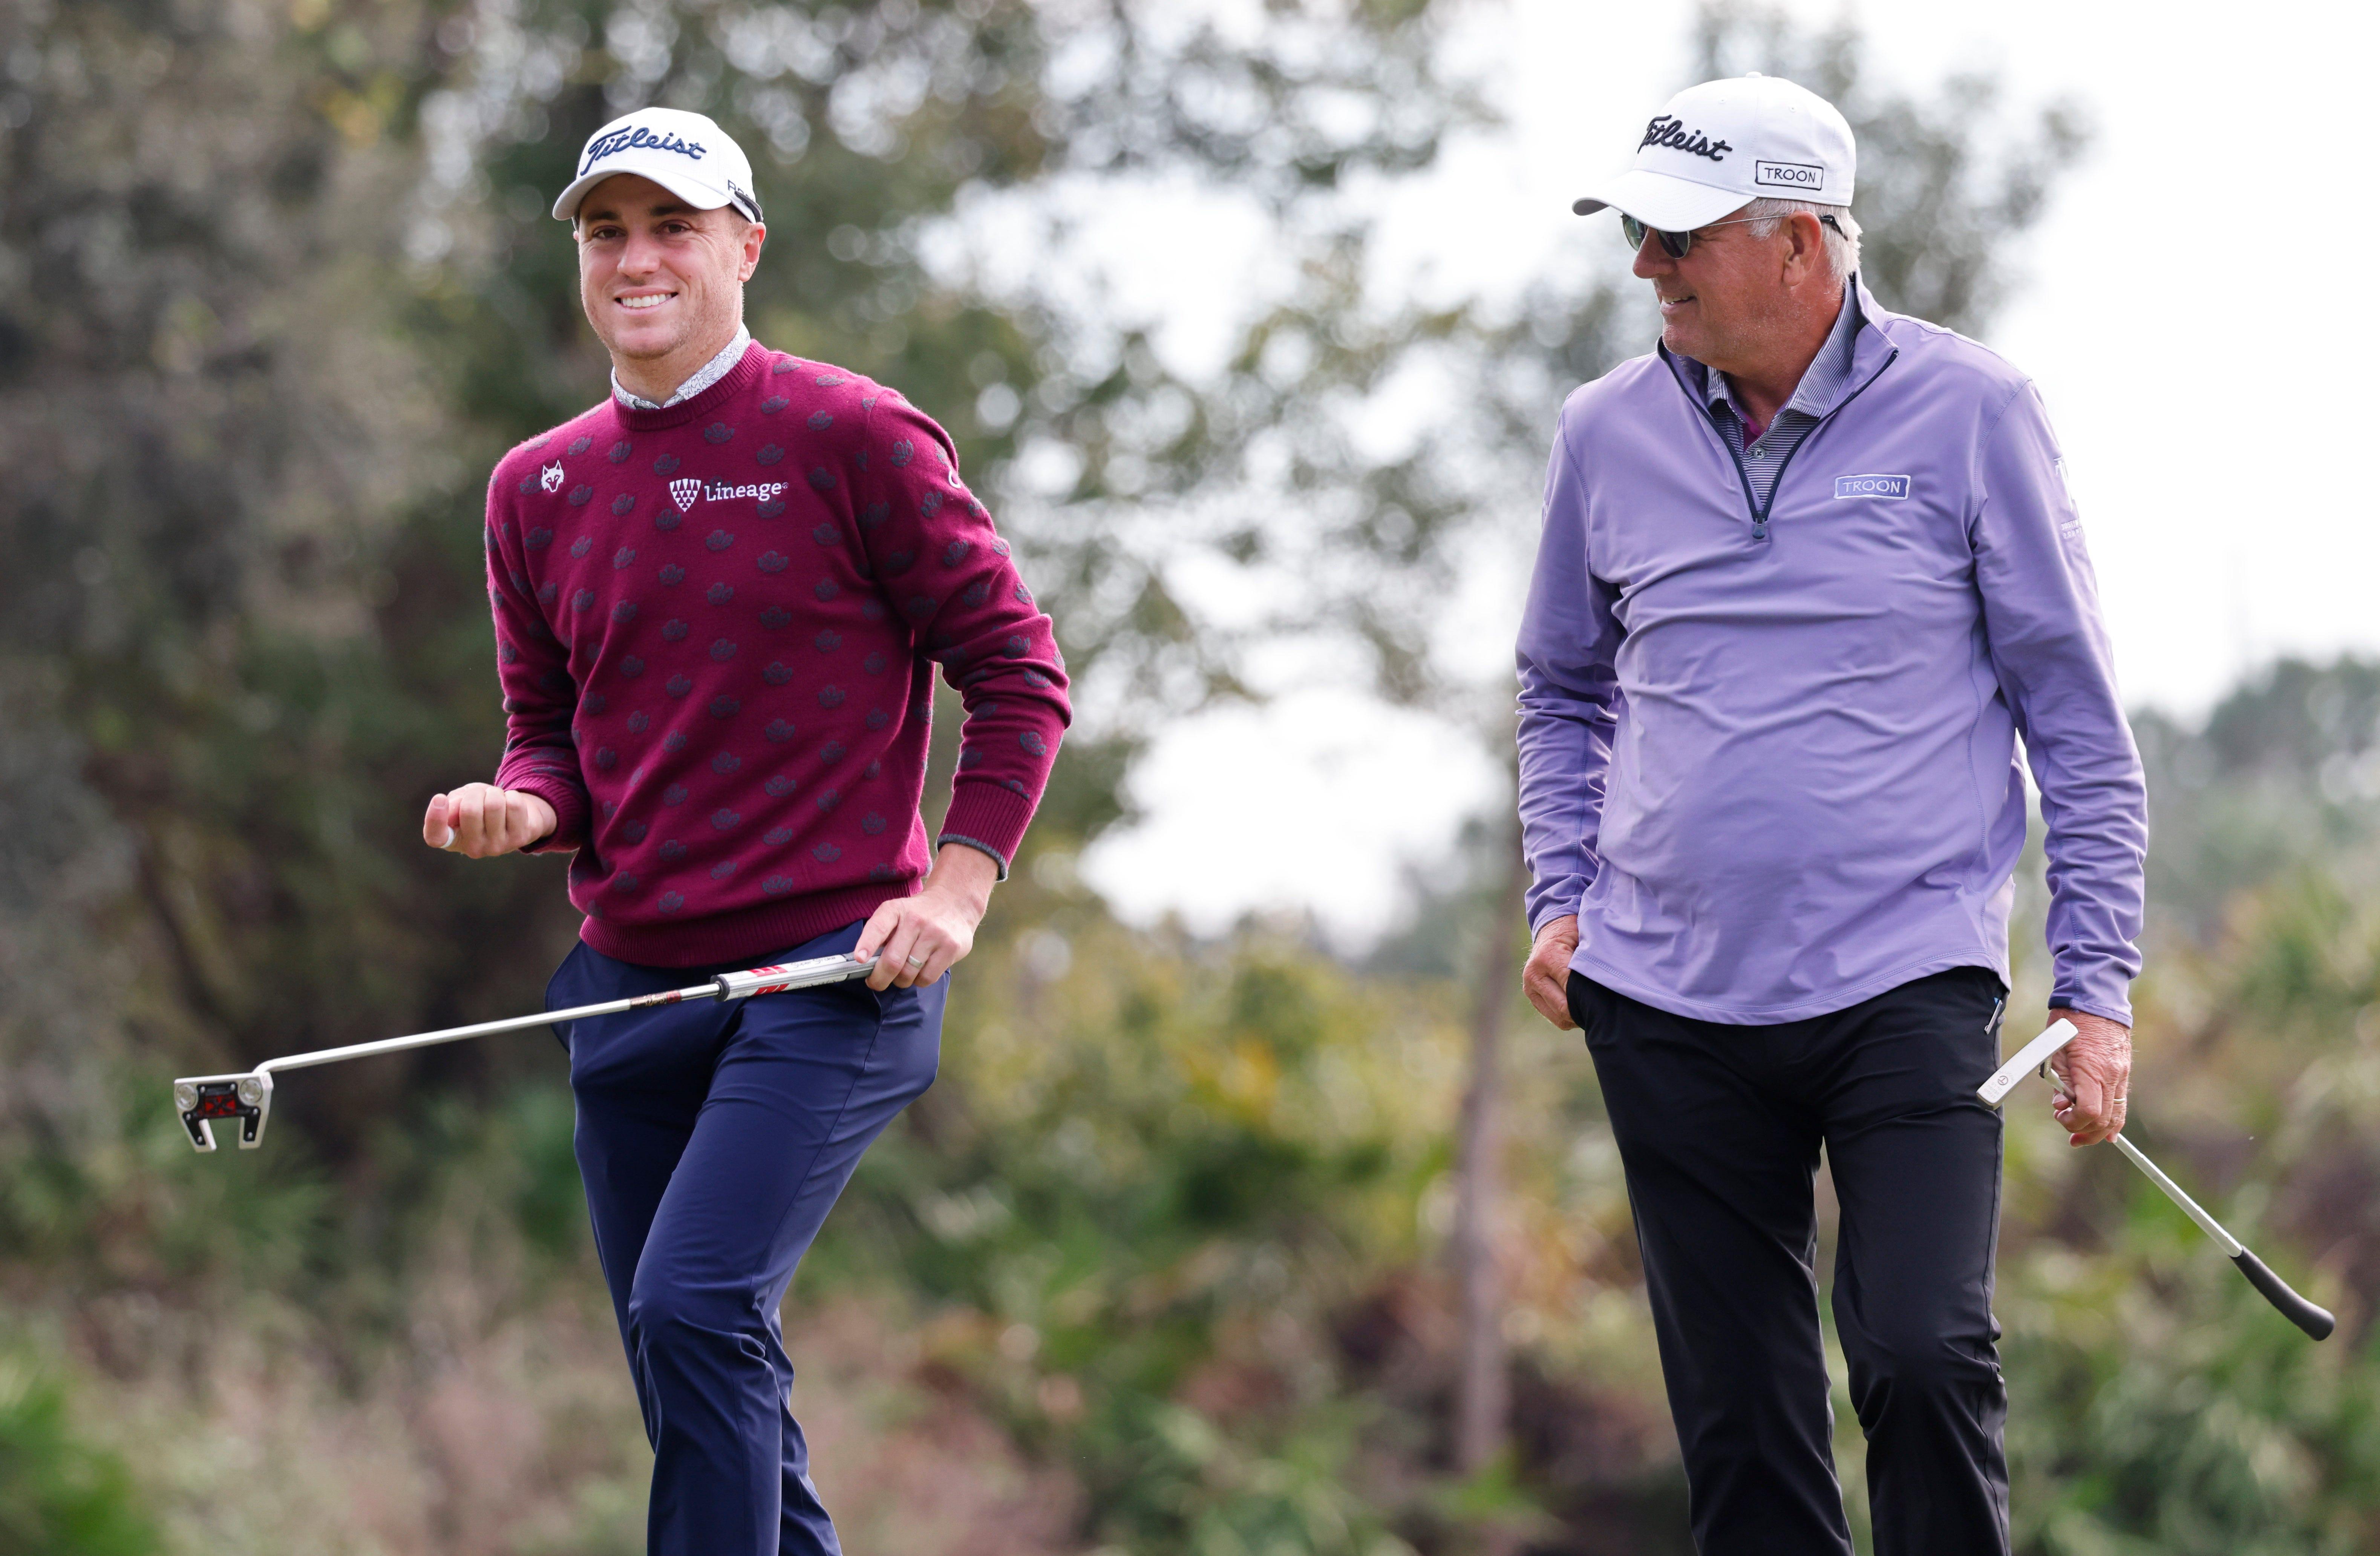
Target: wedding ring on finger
(917,961)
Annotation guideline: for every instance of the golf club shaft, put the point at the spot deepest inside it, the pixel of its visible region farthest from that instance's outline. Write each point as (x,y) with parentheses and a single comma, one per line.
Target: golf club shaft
(727,986)
(483,1028)
(2316,1320)
(2206,1223)
(243,1101)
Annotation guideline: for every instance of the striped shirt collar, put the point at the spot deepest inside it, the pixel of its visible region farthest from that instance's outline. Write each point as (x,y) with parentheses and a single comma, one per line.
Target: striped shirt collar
(1821,381)
(703,377)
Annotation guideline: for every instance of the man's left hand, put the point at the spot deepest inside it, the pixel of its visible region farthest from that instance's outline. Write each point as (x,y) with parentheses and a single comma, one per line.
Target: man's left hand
(2095,1072)
(921,938)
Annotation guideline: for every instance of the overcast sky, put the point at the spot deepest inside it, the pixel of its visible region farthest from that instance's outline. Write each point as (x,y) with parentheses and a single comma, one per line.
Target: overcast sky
(2195,316)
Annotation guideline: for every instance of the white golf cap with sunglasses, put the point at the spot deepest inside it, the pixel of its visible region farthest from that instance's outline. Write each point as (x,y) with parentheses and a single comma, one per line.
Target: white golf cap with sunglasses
(685,153)
(1717,147)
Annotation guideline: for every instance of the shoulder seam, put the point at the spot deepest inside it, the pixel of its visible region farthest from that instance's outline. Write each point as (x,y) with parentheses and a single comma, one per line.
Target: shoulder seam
(1992,429)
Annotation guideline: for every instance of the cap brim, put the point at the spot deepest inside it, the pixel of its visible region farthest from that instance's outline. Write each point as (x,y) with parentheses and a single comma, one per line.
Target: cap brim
(669,175)
(1660,201)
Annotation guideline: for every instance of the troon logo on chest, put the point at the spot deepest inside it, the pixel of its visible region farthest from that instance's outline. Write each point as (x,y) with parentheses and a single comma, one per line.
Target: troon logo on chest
(1893,489)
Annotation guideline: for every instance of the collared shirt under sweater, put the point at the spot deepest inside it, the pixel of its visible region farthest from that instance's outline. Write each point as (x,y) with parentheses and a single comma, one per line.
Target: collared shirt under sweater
(701,377)
(717,626)
(1763,455)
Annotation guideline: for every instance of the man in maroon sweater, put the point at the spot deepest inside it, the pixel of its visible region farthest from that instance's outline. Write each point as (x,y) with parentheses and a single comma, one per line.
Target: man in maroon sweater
(719,597)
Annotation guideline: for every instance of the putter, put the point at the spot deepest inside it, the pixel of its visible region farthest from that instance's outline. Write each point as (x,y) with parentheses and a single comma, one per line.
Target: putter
(2036,1054)
(246,1100)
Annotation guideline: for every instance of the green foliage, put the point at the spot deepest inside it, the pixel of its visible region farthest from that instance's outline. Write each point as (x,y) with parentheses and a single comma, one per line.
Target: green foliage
(1151,1187)
(2201,1422)
(2285,771)
(58,1495)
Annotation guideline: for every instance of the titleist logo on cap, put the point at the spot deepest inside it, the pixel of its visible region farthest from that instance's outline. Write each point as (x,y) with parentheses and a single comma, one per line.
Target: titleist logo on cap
(1673,133)
(630,139)
(1714,148)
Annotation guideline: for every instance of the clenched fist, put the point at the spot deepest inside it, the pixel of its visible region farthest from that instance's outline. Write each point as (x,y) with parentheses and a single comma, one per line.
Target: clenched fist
(1547,977)
(480,821)
(2094,1075)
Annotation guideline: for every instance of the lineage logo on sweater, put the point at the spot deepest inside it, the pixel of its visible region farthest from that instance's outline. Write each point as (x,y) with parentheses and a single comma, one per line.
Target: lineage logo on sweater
(686,490)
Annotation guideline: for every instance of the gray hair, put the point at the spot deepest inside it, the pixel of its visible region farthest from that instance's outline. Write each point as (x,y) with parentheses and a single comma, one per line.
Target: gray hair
(1842,247)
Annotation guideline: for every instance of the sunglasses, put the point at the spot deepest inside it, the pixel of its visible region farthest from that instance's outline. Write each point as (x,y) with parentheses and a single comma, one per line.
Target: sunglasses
(1675,244)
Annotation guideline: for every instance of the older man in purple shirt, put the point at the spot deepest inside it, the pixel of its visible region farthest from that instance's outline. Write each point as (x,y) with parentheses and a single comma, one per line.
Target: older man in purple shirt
(1807,574)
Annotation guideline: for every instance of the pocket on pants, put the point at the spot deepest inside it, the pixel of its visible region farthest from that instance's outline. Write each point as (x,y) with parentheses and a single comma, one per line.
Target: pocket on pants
(561,990)
(1589,1004)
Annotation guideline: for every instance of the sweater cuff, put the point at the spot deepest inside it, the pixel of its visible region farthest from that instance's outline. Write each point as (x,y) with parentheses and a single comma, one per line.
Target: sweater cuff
(984,815)
(1000,861)
(570,810)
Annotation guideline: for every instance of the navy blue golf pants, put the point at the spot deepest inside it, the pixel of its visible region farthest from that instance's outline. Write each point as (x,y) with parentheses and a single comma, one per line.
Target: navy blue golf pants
(714,1138)
(1719,1128)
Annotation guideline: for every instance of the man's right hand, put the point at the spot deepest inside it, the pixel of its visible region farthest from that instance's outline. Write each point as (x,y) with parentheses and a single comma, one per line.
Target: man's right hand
(480,821)
(1547,977)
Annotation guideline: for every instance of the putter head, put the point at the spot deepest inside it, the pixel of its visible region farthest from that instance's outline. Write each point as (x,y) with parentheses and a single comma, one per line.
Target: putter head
(2030,1057)
(203,1099)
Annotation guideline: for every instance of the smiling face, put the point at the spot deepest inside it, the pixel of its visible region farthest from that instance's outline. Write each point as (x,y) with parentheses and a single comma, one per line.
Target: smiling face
(662,281)
(1735,297)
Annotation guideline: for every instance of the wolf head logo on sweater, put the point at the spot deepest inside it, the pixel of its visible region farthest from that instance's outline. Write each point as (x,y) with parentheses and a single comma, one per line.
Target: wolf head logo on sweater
(549,478)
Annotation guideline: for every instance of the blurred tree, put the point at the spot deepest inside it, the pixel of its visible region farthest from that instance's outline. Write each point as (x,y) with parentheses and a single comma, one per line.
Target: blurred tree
(212,429)
(1946,185)
(2287,767)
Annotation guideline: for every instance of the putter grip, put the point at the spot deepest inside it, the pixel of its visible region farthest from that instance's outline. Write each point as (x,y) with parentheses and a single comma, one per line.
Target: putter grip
(2315,1320)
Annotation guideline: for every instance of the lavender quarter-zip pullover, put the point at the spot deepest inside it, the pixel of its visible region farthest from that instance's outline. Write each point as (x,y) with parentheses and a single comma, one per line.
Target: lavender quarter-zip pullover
(1769,754)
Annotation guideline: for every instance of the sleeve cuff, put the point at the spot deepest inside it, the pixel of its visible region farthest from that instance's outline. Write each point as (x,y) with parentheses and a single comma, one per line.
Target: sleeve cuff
(1552,906)
(570,810)
(2119,1010)
(984,848)
(988,816)
(2098,987)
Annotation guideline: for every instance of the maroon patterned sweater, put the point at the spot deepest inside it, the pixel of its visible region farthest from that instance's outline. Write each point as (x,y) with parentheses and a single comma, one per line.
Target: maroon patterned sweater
(716,628)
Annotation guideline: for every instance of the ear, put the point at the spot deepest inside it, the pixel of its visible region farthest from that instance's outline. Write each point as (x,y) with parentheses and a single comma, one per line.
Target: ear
(754,235)
(1805,258)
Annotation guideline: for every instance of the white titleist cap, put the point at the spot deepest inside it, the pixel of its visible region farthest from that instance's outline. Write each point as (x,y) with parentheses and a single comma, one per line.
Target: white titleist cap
(685,153)
(1717,147)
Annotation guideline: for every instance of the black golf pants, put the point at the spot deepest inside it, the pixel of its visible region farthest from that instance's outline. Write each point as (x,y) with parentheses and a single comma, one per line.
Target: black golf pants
(1719,1128)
